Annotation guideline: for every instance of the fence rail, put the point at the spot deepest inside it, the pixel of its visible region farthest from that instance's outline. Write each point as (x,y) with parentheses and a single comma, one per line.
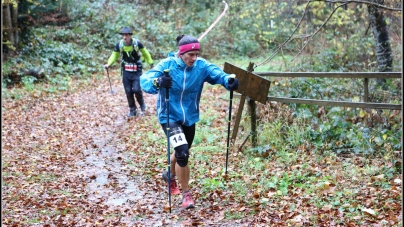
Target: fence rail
(333,103)
(359,75)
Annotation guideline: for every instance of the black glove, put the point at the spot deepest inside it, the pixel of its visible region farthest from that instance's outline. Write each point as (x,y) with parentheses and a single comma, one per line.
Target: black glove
(233,83)
(165,81)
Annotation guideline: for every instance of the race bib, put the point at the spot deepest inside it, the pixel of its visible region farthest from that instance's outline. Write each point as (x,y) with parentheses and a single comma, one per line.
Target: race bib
(130,67)
(178,140)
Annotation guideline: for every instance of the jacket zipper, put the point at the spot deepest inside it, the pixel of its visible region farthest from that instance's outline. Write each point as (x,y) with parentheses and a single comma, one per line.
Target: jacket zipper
(182,93)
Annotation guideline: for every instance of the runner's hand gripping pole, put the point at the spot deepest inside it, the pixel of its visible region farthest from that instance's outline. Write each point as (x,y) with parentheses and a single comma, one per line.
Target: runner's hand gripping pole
(166,73)
(231,79)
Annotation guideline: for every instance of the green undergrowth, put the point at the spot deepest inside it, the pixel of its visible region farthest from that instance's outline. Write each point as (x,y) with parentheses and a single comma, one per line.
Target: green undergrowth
(289,166)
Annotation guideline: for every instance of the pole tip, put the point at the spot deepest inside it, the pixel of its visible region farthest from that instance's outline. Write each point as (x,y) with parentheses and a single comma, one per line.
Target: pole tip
(167,207)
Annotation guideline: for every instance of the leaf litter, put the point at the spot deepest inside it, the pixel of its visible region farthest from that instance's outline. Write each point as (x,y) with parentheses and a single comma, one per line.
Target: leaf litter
(73,159)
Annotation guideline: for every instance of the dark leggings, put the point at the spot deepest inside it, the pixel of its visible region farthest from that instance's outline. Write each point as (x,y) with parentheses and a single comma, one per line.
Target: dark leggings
(131,84)
(189,131)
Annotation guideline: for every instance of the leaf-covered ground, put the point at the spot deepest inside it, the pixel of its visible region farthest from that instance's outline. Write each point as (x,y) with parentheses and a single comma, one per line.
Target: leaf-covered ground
(74,159)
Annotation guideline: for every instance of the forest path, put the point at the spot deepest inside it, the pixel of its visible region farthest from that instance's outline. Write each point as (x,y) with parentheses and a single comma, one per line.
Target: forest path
(79,162)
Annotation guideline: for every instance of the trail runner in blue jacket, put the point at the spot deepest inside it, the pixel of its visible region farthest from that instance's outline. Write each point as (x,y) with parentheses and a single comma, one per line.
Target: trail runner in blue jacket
(188,73)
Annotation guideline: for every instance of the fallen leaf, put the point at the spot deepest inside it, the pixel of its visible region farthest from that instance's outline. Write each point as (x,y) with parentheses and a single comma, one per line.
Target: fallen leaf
(369,212)
(327,207)
(265,200)
(196,223)
(381,176)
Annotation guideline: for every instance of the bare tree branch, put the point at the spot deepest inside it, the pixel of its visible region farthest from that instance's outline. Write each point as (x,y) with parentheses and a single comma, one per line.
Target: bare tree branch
(325,22)
(287,41)
(359,1)
(367,29)
(343,3)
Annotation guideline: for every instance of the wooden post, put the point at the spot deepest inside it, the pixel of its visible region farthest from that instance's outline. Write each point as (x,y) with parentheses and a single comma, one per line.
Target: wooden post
(252,107)
(238,118)
(366,85)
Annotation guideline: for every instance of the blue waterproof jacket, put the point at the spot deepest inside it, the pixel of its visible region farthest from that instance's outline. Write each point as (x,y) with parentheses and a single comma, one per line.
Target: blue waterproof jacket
(172,54)
(185,93)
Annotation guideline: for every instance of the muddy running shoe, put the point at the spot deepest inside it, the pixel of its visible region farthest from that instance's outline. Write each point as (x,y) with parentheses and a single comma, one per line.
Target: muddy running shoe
(132,113)
(187,201)
(143,107)
(174,190)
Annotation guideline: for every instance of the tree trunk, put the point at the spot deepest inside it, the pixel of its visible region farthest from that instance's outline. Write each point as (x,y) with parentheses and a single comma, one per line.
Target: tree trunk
(7,23)
(10,24)
(381,34)
(14,16)
(2,40)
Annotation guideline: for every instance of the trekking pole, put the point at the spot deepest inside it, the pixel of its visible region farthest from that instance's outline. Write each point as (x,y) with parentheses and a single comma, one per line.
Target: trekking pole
(232,76)
(166,71)
(112,92)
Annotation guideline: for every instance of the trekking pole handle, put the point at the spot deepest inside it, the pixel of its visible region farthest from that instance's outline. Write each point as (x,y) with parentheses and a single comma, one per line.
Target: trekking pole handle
(231,80)
(166,73)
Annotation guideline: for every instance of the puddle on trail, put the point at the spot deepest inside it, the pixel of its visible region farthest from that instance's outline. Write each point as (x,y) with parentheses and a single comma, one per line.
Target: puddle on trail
(109,178)
(111,181)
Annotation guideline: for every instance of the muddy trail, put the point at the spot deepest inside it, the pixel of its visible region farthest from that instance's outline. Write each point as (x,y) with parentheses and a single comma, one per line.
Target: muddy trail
(75,159)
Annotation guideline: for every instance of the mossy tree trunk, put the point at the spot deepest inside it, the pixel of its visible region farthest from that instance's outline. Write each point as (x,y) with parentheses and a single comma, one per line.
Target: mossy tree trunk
(10,35)
(381,34)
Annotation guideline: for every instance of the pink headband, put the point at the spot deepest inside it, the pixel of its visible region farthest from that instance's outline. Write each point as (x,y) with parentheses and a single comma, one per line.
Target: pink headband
(188,47)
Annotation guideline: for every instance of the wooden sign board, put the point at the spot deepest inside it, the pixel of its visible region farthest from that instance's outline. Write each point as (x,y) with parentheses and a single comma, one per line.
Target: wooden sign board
(251,85)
